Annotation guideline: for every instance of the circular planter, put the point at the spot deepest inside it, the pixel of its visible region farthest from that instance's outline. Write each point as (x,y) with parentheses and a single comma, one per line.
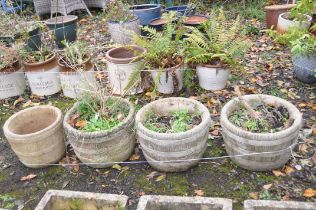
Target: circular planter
(176,149)
(34,40)
(183,10)
(305,68)
(64,28)
(158,23)
(273,12)
(146,12)
(12,81)
(242,142)
(36,135)
(121,63)
(195,20)
(74,83)
(284,24)
(122,33)
(98,148)
(43,77)
(212,77)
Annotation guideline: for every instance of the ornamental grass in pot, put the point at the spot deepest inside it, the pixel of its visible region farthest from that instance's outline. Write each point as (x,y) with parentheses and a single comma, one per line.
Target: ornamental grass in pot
(12,82)
(100,128)
(220,47)
(77,73)
(172,132)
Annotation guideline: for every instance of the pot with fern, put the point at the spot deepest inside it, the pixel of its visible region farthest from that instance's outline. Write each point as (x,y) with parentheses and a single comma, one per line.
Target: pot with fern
(214,51)
(77,73)
(273,12)
(101,129)
(12,81)
(41,70)
(122,23)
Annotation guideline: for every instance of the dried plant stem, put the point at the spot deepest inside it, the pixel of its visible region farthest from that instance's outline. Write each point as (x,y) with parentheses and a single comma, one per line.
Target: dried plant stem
(254,114)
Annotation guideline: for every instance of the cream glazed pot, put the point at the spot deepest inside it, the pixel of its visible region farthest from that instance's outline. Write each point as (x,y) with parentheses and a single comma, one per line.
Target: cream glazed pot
(212,77)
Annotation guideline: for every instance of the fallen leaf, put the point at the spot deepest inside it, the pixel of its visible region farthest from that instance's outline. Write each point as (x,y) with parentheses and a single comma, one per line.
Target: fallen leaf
(28,103)
(277,173)
(148,94)
(160,178)
(152,175)
(314,158)
(65,184)
(215,132)
(117,167)
(302,105)
(81,123)
(209,103)
(75,166)
(199,192)
(302,148)
(28,177)
(289,170)
(309,193)
(254,195)
(134,157)
(19,100)
(267,186)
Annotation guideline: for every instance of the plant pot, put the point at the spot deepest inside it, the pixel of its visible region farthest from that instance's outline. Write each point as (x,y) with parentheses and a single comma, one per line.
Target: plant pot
(183,10)
(158,23)
(34,40)
(177,149)
(275,145)
(100,149)
(121,63)
(43,77)
(122,33)
(12,81)
(273,12)
(64,28)
(212,77)
(146,12)
(168,78)
(64,199)
(36,135)
(305,68)
(195,20)
(284,24)
(75,83)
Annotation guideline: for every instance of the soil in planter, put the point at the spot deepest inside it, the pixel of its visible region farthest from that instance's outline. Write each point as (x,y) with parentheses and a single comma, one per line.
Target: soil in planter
(272,119)
(89,116)
(178,121)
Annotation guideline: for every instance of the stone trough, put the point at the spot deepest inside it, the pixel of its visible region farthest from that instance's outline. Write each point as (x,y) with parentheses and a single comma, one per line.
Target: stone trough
(278,205)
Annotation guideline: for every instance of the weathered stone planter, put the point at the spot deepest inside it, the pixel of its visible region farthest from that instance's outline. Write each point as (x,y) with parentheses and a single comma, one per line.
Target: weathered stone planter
(176,149)
(36,135)
(156,202)
(242,142)
(62,199)
(284,24)
(278,205)
(305,68)
(99,149)
(212,77)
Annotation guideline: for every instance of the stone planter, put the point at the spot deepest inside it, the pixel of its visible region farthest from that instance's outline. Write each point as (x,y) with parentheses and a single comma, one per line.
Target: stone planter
(150,202)
(273,12)
(122,33)
(12,81)
(63,199)
(64,28)
(100,149)
(212,77)
(241,142)
(121,63)
(77,80)
(284,24)
(167,78)
(278,205)
(305,68)
(36,135)
(176,149)
(43,77)
(146,12)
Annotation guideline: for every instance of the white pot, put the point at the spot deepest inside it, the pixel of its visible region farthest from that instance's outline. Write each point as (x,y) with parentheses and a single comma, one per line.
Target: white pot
(165,83)
(212,77)
(284,24)
(12,83)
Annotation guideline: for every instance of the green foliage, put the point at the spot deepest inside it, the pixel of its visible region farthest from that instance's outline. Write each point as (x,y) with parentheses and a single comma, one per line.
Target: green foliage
(8,202)
(302,7)
(250,29)
(305,45)
(31,56)
(75,53)
(7,56)
(117,11)
(285,39)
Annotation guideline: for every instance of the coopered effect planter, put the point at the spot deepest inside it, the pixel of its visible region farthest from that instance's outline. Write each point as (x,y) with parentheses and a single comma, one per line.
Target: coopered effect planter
(173,147)
(212,77)
(242,142)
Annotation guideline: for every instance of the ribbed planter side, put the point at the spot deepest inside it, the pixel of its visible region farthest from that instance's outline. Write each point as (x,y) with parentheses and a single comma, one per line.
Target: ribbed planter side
(284,24)
(98,148)
(177,148)
(121,33)
(241,142)
(305,68)
(212,77)
(36,135)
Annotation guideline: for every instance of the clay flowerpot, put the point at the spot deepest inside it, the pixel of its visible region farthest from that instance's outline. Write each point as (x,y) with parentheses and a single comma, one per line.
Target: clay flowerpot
(77,80)
(43,77)
(212,77)
(121,63)
(304,68)
(284,24)
(12,81)
(146,12)
(273,12)
(158,23)
(195,20)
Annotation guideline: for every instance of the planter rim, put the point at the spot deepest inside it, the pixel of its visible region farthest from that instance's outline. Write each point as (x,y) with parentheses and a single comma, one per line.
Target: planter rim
(125,60)
(51,59)
(71,68)
(309,18)
(153,6)
(278,7)
(13,68)
(205,17)
(164,21)
(206,118)
(60,20)
(297,121)
(24,137)
(135,18)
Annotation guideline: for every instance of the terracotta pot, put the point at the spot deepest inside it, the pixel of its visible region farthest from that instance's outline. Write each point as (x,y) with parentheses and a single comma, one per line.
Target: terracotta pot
(43,77)
(284,24)
(273,12)
(195,20)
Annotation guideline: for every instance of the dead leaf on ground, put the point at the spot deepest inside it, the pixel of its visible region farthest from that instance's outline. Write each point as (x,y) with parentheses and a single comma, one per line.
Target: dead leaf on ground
(277,173)
(309,193)
(135,157)
(303,148)
(28,177)
(81,124)
(314,158)
(160,178)
(254,195)
(19,100)
(65,184)
(289,170)
(267,186)
(199,192)
(117,167)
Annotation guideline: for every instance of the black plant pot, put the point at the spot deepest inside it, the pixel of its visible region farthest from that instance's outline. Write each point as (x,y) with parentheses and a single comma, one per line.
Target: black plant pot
(304,68)
(7,40)
(64,28)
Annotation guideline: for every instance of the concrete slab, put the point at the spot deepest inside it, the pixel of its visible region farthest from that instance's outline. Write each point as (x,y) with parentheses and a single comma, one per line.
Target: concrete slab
(278,205)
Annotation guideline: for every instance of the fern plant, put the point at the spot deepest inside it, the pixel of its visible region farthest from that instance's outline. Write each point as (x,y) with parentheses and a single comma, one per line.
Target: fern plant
(221,44)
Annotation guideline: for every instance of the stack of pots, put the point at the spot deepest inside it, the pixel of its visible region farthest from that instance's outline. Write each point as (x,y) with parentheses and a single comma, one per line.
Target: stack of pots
(146,12)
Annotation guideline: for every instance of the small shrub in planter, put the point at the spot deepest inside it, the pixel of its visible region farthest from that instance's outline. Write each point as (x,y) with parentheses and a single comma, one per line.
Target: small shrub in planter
(219,47)
(77,74)
(121,22)
(100,129)
(173,130)
(12,82)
